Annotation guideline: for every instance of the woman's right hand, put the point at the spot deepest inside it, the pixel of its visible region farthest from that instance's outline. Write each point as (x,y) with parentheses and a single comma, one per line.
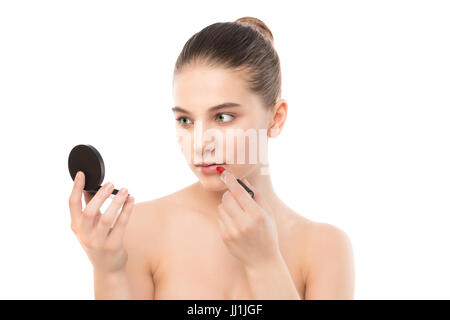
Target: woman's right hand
(103,246)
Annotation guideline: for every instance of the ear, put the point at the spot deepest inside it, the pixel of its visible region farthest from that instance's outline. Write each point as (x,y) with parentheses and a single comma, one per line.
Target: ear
(279,114)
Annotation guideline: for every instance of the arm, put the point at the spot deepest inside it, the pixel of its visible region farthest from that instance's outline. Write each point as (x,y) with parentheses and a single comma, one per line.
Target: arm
(137,242)
(331,264)
(135,281)
(113,286)
(248,229)
(272,281)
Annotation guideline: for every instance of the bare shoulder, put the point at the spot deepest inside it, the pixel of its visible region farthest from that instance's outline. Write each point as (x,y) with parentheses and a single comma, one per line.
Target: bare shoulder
(155,208)
(151,215)
(326,256)
(324,237)
(141,231)
(318,238)
(142,239)
(329,262)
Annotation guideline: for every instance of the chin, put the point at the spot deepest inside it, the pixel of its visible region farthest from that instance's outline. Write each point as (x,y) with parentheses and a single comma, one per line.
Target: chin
(211,183)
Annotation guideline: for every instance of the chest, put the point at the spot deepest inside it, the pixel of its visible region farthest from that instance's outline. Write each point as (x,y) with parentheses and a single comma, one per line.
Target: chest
(193,262)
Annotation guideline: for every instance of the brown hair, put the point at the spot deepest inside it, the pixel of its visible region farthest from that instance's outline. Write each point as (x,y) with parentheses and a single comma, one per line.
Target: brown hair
(243,45)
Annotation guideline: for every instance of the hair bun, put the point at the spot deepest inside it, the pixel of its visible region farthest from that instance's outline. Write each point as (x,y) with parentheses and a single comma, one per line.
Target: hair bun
(258,25)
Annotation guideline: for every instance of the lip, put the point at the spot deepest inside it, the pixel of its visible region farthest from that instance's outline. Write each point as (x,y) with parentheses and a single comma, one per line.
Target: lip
(209,168)
(205,164)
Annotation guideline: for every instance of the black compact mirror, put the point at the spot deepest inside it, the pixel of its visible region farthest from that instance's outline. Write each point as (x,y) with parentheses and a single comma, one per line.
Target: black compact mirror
(86,158)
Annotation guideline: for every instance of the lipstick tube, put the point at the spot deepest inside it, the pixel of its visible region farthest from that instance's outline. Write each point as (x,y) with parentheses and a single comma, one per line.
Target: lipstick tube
(111,196)
(250,192)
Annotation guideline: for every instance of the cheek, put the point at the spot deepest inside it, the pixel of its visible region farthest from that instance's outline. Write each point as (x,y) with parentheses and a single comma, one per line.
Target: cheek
(242,146)
(185,143)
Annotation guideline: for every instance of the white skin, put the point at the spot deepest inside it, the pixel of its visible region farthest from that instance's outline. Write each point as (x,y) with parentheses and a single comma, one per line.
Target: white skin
(241,245)
(104,248)
(237,211)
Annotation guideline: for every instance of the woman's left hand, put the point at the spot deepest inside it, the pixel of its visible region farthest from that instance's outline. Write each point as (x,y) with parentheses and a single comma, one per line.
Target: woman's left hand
(247,229)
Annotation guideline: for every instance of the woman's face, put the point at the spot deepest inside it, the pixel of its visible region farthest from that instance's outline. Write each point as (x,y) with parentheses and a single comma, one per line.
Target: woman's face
(232,135)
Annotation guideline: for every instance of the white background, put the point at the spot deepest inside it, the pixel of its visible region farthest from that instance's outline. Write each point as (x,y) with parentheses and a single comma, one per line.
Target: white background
(365,146)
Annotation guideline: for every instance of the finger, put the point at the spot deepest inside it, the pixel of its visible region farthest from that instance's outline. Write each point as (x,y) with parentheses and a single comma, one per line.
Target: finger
(87,196)
(75,204)
(231,206)
(227,221)
(240,194)
(247,183)
(257,195)
(93,208)
(240,218)
(106,220)
(118,230)
(99,198)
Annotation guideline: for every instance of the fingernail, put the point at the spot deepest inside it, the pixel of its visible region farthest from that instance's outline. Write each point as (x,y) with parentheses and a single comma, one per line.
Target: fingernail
(78,175)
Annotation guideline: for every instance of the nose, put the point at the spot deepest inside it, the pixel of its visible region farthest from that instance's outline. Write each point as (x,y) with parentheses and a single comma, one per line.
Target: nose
(204,141)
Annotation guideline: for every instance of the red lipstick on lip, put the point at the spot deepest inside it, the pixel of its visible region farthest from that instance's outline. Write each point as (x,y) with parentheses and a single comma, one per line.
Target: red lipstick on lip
(207,168)
(250,192)
(220,169)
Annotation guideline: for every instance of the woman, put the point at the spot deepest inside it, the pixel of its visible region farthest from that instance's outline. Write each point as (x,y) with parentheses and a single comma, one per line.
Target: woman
(212,240)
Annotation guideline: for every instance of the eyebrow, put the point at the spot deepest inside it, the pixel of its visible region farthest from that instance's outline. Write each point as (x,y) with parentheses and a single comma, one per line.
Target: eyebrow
(218,107)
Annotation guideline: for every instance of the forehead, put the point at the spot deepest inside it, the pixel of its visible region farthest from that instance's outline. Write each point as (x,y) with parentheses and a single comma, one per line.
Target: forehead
(198,87)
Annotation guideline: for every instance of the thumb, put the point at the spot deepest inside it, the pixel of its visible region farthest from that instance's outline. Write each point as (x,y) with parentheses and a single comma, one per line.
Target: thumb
(87,195)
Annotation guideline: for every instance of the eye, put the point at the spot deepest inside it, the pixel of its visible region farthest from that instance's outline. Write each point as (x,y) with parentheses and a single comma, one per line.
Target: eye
(222,117)
(184,121)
